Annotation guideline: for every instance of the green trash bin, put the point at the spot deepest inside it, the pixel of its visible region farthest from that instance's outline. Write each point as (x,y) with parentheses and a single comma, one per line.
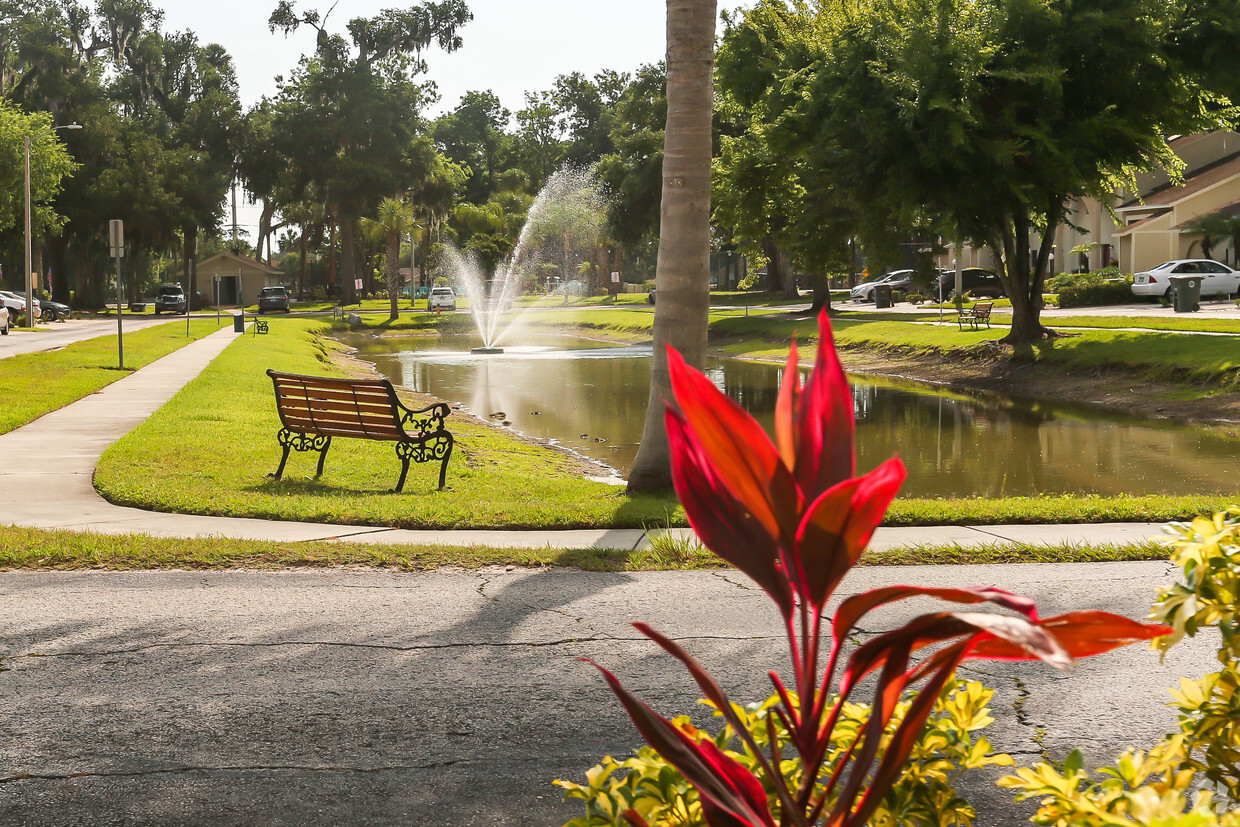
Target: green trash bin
(1186,293)
(239,323)
(882,296)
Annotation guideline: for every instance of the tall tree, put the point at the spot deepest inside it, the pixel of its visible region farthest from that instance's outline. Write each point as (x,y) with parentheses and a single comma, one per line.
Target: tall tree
(995,114)
(683,273)
(348,118)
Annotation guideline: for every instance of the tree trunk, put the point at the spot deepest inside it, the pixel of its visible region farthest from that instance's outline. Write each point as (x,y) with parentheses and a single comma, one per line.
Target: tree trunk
(191,264)
(301,269)
(58,252)
(348,269)
(774,276)
(333,287)
(1023,279)
(393,274)
(790,279)
(264,230)
(683,270)
(822,294)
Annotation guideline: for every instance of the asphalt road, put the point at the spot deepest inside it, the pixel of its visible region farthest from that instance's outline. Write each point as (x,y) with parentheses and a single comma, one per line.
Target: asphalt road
(449,698)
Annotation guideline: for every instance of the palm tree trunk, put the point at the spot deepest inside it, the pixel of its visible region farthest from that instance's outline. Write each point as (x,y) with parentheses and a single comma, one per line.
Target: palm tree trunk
(393,273)
(683,271)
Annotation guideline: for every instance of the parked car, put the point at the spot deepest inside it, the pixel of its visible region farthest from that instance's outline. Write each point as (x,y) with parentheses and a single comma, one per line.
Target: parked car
(973,280)
(441,298)
(273,299)
(1216,278)
(16,303)
(54,311)
(865,292)
(169,298)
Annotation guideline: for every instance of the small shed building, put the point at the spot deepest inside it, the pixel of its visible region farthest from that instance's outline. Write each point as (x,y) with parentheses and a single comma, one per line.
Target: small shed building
(229,279)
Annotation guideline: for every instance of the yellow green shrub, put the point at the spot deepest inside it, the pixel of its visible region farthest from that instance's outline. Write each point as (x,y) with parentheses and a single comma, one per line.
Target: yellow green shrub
(925,796)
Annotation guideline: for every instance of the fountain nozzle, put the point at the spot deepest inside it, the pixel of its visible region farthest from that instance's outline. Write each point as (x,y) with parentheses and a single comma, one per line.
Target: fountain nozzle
(486,350)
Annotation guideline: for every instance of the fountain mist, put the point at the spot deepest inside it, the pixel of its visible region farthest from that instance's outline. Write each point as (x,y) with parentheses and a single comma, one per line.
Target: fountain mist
(564,219)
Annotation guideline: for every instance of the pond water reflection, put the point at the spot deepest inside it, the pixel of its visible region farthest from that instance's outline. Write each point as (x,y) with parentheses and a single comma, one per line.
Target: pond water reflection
(591,398)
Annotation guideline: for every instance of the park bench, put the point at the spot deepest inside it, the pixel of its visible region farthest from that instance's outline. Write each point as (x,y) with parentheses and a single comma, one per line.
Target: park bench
(975,315)
(313,409)
(260,325)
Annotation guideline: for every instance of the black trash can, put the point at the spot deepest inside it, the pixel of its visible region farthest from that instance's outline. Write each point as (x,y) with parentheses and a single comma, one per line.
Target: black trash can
(882,296)
(239,323)
(1185,293)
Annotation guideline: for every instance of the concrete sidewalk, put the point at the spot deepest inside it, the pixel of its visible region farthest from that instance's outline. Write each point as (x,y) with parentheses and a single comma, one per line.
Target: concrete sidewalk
(44,493)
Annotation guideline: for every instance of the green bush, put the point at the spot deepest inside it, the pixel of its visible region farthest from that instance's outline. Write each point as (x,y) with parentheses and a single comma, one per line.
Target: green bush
(1156,786)
(924,796)
(1100,287)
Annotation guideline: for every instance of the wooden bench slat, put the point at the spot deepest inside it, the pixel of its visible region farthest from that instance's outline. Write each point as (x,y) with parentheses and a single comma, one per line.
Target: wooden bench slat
(359,408)
(377,395)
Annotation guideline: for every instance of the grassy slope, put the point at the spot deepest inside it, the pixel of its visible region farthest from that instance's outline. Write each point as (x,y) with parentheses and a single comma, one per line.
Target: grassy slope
(39,383)
(224,423)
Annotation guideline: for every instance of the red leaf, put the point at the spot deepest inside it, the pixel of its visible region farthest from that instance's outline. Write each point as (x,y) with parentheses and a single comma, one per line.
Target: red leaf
(853,608)
(722,522)
(718,778)
(786,406)
(736,448)
(1081,634)
(1025,640)
(838,526)
(825,421)
(941,667)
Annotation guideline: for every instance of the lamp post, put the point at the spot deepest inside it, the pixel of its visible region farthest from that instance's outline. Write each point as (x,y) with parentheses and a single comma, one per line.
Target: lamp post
(29,282)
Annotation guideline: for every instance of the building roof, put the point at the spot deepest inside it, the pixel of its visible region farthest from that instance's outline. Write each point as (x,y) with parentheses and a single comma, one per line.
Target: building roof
(235,260)
(1134,225)
(1194,182)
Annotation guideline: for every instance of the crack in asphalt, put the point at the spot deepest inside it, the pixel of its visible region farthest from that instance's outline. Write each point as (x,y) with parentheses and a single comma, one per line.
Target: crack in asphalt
(598,637)
(10,779)
(722,574)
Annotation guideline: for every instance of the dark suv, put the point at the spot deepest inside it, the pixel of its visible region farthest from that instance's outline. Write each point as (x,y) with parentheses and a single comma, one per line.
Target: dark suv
(975,281)
(274,298)
(169,298)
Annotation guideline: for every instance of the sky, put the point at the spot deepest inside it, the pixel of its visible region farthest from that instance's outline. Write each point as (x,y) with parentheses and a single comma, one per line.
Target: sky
(512,46)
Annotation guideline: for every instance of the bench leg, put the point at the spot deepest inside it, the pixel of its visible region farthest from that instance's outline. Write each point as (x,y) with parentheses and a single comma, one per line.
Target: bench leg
(283,459)
(404,472)
(446,439)
(323,457)
(301,442)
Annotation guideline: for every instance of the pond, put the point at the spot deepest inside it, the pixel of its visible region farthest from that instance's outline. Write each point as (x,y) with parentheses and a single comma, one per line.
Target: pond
(590,397)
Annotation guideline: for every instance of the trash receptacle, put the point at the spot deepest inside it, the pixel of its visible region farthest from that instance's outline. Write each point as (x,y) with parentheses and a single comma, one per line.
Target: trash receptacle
(882,295)
(1186,293)
(239,323)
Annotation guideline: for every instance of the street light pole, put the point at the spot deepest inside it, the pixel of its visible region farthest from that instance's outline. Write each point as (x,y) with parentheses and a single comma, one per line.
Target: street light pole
(29,257)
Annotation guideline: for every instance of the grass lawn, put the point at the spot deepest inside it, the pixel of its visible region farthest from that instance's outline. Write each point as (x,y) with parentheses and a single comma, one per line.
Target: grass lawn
(27,548)
(39,383)
(224,425)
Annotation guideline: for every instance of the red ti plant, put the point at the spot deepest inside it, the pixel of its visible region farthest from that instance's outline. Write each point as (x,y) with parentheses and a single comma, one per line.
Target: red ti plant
(793,517)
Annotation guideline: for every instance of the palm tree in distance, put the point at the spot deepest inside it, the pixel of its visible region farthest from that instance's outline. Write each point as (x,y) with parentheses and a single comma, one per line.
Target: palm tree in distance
(394,222)
(682,275)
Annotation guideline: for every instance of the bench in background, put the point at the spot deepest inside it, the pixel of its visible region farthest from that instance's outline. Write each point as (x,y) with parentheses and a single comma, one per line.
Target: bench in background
(975,315)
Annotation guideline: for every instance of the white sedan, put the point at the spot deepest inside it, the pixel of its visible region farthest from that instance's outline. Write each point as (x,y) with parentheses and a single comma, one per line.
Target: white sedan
(1216,279)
